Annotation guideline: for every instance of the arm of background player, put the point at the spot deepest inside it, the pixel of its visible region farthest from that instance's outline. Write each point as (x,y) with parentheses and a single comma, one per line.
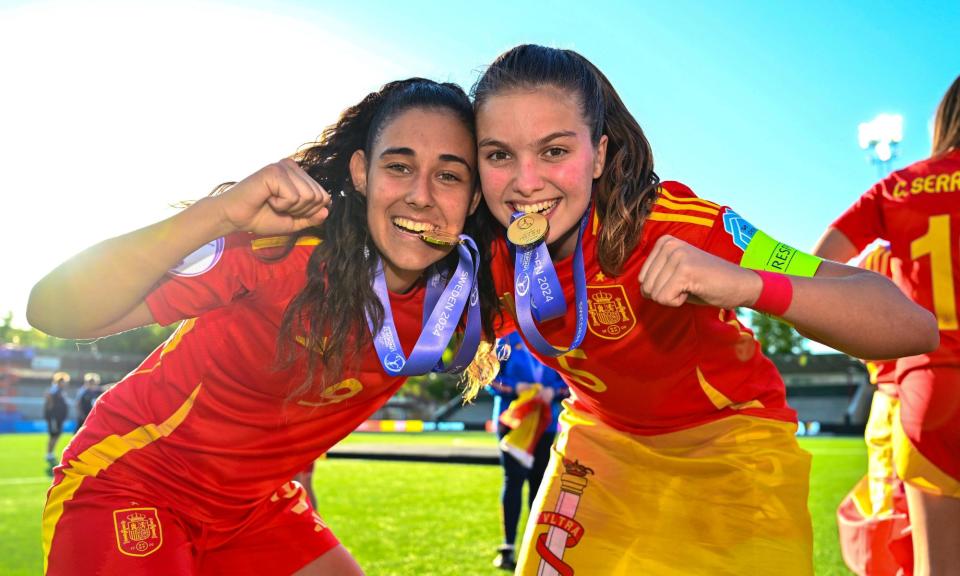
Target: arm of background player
(834,245)
(101,290)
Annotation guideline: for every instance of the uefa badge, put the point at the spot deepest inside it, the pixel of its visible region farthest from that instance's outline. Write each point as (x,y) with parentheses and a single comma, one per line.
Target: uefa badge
(138,531)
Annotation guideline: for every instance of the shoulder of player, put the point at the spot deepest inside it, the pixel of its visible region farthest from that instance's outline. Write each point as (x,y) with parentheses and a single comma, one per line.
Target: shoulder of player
(680,212)
(928,167)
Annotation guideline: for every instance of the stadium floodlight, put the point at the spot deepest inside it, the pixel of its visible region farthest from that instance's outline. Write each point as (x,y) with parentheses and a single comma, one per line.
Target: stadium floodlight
(881,136)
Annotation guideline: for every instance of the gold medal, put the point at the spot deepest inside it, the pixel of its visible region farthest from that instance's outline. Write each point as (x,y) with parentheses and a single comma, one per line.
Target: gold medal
(528,229)
(440,238)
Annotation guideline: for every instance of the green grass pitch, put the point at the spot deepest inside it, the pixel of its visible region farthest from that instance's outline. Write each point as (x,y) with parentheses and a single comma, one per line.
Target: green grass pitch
(403,518)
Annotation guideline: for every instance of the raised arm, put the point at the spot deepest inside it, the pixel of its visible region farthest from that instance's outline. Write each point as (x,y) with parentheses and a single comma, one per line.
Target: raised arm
(835,307)
(101,290)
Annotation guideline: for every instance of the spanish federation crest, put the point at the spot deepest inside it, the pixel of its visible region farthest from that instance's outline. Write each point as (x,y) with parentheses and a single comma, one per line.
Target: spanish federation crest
(611,316)
(138,531)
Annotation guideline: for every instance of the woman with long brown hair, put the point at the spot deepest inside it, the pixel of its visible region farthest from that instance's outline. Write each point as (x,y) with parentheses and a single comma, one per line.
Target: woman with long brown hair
(677,452)
(298,290)
(917,210)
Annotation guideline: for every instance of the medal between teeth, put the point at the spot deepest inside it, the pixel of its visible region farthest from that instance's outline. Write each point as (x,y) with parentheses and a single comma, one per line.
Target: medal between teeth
(528,229)
(440,238)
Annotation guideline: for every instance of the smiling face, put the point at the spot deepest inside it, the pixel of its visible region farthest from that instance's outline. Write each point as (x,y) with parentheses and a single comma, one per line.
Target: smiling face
(535,155)
(418,177)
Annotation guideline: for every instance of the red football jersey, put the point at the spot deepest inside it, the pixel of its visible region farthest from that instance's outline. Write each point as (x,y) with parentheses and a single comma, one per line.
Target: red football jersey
(652,369)
(206,421)
(917,210)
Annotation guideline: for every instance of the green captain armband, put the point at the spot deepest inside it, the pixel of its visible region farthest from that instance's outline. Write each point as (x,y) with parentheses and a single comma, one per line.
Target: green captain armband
(765,253)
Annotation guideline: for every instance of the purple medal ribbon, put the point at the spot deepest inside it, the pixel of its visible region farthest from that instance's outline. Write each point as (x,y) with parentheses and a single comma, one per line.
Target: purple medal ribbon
(535,273)
(445,300)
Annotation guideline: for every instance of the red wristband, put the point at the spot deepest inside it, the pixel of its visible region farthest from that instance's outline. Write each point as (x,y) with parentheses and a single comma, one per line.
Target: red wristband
(776,294)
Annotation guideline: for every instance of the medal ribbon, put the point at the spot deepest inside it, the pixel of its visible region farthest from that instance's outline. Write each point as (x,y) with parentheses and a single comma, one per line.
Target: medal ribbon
(445,300)
(536,282)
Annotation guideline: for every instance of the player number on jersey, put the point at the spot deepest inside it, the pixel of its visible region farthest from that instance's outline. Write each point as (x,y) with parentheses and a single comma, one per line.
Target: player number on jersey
(582,377)
(936,244)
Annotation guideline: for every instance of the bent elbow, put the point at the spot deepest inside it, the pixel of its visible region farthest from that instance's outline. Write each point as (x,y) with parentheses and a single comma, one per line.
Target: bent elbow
(926,334)
(36,313)
(932,333)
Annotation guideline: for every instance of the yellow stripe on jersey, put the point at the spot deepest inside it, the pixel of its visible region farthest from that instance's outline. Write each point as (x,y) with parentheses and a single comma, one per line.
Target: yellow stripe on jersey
(278,241)
(661,217)
(664,193)
(916,469)
(719,399)
(171,344)
(98,458)
(692,207)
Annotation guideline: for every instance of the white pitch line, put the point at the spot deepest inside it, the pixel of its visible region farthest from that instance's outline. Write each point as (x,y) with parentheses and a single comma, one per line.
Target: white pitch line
(16,481)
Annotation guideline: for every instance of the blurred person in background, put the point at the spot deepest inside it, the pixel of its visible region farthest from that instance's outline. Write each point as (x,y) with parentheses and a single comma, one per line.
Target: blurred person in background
(88,396)
(917,209)
(872,519)
(526,403)
(55,413)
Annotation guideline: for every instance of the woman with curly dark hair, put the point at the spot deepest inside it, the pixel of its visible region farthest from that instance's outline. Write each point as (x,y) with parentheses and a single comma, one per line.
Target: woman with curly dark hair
(298,288)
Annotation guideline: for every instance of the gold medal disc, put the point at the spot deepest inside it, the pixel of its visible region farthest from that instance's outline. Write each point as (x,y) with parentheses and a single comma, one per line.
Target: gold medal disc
(528,229)
(440,238)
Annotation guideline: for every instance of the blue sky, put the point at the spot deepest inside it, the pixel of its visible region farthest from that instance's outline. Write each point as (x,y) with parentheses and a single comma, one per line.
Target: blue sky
(752,104)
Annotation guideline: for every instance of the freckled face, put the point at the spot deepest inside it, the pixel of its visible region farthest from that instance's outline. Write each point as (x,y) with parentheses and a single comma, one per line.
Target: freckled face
(535,155)
(418,177)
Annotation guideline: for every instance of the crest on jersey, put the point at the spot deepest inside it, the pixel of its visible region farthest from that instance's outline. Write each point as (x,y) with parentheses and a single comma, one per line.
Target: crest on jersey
(202,260)
(138,531)
(610,314)
(739,229)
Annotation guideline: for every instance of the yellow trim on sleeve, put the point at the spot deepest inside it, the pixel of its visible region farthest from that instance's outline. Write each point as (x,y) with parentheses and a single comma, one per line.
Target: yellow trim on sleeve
(98,458)
(171,344)
(669,196)
(719,399)
(673,205)
(278,241)
(916,469)
(661,217)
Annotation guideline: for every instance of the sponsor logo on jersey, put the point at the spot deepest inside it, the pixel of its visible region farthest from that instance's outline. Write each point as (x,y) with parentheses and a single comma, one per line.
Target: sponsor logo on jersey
(739,229)
(563,529)
(138,531)
(610,314)
(201,261)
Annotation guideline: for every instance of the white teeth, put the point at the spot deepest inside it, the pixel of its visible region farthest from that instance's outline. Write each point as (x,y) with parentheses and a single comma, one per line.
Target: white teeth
(412,225)
(538,207)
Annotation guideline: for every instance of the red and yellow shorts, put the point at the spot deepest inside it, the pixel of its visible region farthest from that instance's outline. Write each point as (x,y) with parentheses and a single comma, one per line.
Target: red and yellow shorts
(110,527)
(926,438)
(727,497)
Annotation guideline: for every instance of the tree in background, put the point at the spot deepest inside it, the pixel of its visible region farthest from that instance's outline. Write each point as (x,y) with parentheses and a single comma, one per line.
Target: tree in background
(139,341)
(776,336)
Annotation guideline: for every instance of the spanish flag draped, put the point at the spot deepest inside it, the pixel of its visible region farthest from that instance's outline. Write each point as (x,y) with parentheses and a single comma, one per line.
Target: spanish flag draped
(873,522)
(527,417)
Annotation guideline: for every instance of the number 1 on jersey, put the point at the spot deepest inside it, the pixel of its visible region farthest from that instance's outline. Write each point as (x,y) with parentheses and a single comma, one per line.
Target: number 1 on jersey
(936,243)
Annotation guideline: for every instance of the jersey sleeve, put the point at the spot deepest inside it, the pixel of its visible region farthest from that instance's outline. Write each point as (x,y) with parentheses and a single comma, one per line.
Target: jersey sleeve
(862,223)
(734,239)
(211,277)
(878,260)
